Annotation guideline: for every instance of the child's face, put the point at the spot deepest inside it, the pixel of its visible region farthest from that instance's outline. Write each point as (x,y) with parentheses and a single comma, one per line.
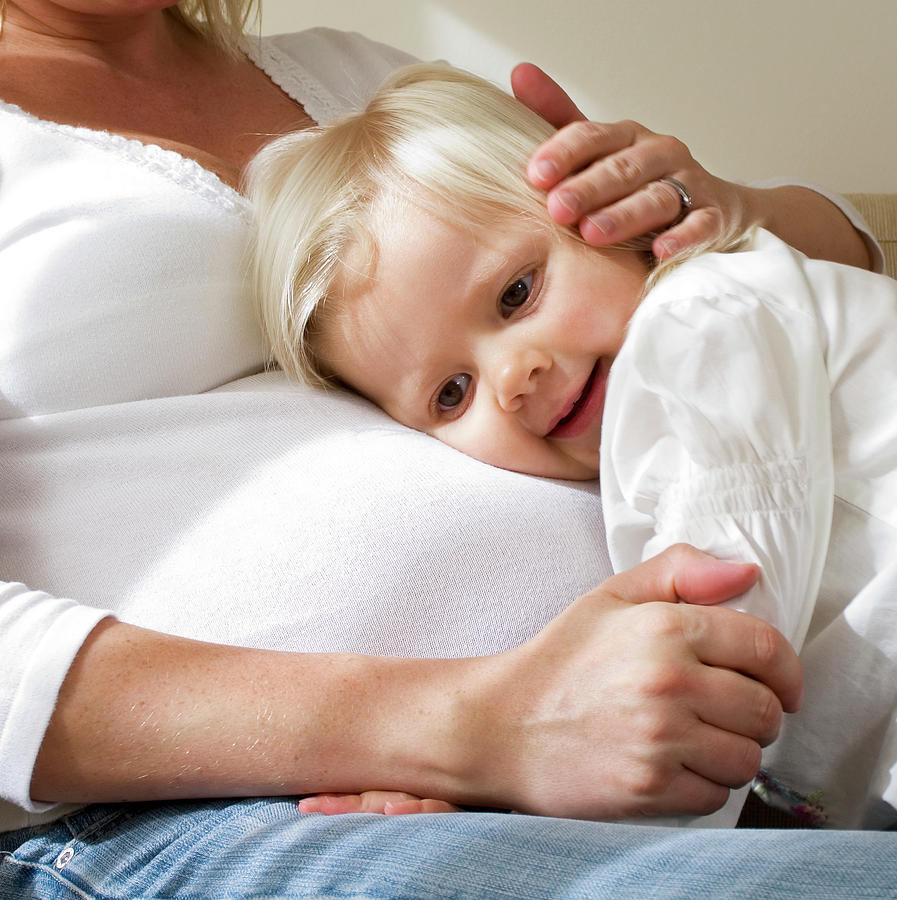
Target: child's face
(496,342)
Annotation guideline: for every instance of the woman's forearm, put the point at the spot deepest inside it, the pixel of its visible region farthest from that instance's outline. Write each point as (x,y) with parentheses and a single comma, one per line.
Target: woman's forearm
(143,715)
(618,707)
(808,221)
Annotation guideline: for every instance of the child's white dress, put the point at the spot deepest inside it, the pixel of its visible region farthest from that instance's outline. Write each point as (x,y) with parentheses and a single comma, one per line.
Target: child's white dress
(752,412)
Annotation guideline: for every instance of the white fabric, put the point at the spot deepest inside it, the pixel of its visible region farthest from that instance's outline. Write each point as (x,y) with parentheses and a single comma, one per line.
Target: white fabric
(120,259)
(119,281)
(260,513)
(256,513)
(751,413)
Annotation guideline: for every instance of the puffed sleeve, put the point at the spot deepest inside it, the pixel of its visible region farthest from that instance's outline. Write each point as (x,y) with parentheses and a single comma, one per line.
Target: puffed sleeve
(717,433)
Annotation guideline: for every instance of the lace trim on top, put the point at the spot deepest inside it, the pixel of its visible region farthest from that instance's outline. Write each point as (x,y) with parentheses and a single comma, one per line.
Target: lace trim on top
(291,78)
(184,171)
(187,173)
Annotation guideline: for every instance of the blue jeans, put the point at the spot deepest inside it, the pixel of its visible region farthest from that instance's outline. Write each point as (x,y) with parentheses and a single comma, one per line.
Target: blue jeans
(266,848)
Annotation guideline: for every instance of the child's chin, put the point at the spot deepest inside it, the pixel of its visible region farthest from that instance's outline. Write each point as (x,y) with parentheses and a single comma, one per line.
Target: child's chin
(571,470)
(583,469)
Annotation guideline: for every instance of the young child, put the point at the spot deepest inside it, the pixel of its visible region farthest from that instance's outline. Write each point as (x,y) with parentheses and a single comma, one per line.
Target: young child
(738,401)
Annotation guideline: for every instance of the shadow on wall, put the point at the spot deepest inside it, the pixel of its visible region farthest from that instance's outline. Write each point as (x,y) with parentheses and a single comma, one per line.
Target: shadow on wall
(802,88)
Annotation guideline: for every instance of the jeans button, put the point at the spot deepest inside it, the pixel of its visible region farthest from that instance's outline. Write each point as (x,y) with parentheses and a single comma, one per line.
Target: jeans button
(64,858)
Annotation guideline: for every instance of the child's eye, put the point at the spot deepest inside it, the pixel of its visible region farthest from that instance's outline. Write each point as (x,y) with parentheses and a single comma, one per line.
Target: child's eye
(516,294)
(452,393)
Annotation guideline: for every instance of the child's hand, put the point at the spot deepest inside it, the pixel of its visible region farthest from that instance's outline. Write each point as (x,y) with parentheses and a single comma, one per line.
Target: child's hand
(388,803)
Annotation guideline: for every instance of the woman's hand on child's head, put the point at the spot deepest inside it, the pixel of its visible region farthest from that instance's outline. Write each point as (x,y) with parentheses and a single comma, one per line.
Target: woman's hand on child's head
(388,803)
(605,178)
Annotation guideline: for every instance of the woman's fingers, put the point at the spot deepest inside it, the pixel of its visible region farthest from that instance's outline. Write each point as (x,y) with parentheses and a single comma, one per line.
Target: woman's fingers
(701,226)
(722,758)
(721,638)
(732,642)
(742,707)
(606,178)
(390,803)
(543,95)
(649,209)
(416,806)
(687,793)
(681,573)
(587,157)
(606,161)
(590,167)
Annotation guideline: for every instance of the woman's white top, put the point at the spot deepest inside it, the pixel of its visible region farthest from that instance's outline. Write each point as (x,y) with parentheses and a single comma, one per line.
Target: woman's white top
(119,283)
(751,412)
(258,512)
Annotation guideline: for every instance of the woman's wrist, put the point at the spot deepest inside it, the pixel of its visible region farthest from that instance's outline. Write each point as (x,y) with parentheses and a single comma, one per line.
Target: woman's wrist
(807,220)
(144,715)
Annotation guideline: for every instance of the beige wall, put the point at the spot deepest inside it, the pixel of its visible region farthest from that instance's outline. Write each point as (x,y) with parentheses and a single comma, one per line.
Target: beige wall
(760,88)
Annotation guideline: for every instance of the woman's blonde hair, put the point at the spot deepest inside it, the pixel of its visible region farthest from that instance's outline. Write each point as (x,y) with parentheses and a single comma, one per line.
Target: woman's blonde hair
(223,22)
(434,137)
(220,21)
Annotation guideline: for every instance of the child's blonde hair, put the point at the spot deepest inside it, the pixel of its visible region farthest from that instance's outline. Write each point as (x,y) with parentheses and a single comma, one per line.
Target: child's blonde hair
(433,136)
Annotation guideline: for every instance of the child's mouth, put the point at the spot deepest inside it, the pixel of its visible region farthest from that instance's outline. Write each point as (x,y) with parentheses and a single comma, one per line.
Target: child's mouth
(586,404)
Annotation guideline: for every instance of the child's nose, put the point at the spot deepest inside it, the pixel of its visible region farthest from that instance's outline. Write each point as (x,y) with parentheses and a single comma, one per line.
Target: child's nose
(516,376)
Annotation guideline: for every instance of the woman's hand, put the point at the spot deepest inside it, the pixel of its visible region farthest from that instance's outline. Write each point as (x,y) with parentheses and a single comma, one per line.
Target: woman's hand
(623,707)
(628,704)
(387,803)
(605,179)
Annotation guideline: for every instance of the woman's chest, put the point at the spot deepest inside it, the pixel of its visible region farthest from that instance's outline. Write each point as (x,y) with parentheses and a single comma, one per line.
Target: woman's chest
(220,120)
(121,272)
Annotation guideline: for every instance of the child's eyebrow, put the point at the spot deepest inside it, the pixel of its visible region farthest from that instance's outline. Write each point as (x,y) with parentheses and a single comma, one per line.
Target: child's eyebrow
(415,401)
(407,401)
